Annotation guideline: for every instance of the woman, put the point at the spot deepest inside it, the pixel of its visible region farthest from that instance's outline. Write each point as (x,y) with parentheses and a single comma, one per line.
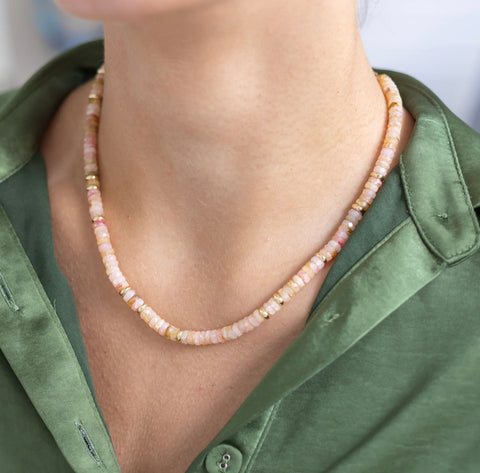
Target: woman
(232,140)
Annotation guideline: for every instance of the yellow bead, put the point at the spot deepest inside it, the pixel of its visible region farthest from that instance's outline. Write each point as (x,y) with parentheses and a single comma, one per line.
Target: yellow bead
(124,290)
(264,313)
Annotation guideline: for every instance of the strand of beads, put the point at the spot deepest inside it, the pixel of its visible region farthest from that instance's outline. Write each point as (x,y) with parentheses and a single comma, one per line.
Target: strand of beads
(288,290)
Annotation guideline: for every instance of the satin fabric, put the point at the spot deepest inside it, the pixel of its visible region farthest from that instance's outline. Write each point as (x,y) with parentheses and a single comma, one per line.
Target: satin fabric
(385,375)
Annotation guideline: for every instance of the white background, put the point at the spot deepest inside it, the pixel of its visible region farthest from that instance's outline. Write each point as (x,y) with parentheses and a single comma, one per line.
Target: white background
(436,41)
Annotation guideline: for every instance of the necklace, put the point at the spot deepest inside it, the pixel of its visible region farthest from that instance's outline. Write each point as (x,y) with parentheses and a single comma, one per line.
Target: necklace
(293,285)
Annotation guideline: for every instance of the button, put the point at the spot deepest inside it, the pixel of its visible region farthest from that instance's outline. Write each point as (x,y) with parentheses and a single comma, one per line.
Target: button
(223,458)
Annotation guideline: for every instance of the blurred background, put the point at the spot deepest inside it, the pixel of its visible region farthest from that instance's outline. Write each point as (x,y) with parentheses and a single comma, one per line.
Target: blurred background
(436,41)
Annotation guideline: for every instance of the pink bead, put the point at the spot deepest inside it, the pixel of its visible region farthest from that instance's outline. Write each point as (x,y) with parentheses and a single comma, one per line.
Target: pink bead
(354,216)
(380,170)
(341,237)
(104,247)
(213,336)
(137,303)
(298,280)
(154,321)
(128,295)
(271,306)
(110,259)
(284,295)
(373,187)
(236,329)
(388,152)
(207,337)
(248,327)
(333,246)
(163,327)
(368,195)
(320,264)
(383,164)
(304,276)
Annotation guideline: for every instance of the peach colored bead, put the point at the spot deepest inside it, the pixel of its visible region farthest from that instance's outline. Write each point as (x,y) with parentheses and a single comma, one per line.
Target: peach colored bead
(147,315)
(253,320)
(293,284)
(333,246)
(236,329)
(368,195)
(213,336)
(307,268)
(220,337)
(258,316)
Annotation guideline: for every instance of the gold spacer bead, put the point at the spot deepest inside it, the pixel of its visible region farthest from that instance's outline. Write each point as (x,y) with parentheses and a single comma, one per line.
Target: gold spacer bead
(322,257)
(171,332)
(363,203)
(91,187)
(393,104)
(293,285)
(124,291)
(142,308)
(358,208)
(93,97)
(377,175)
(99,217)
(278,298)
(264,313)
(91,176)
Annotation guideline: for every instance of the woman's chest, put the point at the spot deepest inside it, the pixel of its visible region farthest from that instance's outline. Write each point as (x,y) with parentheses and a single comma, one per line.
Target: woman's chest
(163,402)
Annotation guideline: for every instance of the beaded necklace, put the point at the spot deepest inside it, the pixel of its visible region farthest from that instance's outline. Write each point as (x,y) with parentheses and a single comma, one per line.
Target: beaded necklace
(288,290)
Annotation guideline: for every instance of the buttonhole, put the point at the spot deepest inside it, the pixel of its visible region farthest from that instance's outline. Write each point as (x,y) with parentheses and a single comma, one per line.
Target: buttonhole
(88,443)
(7,294)
(443,217)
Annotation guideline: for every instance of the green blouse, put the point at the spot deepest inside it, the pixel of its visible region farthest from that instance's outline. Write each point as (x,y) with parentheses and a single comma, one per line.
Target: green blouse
(385,376)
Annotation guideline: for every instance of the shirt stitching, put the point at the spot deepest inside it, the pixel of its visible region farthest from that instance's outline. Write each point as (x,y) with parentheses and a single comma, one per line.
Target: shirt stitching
(459,175)
(262,437)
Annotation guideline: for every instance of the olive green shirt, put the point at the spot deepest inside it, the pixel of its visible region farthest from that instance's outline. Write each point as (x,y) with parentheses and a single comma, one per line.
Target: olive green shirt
(384,377)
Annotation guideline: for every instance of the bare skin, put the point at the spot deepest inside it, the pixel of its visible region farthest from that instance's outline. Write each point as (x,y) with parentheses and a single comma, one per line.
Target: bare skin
(232,143)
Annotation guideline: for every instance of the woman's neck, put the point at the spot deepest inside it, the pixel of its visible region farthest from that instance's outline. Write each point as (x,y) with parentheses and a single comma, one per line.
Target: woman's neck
(237,104)
(230,127)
